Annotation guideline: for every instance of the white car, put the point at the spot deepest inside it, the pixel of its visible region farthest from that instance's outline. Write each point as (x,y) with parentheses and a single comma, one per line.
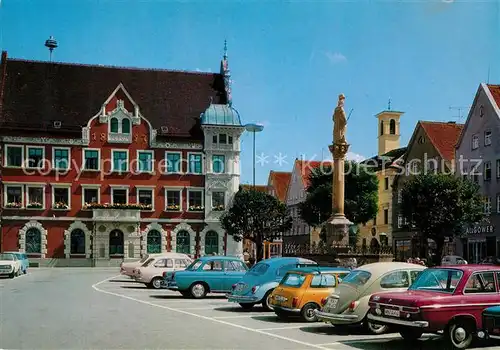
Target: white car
(127,268)
(151,272)
(453,260)
(10,265)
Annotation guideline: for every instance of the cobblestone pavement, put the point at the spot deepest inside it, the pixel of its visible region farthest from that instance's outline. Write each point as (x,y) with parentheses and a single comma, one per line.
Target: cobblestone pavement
(83,308)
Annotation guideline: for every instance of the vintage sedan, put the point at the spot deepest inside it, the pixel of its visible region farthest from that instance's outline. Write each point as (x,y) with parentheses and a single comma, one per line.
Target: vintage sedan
(10,265)
(449,299)
(127,268)
(303,290)
(348,304)
(208,274)
(151,272)
(259,282)
(491,323)
(23,259)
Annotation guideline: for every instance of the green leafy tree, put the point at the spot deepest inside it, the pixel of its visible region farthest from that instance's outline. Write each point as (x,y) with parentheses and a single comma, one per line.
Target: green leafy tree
(361,195)
(256,216)
(440,206)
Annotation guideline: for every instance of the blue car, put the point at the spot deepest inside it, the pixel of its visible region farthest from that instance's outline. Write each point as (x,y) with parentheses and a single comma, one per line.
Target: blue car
(491,323)
(209,274)
(259,282)
(23,258)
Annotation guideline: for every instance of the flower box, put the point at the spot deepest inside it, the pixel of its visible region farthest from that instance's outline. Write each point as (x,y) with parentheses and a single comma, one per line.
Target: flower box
(173,207)
(13,205)
(219,208)
(196,208)
(118,206)
(60,206)
(34,205)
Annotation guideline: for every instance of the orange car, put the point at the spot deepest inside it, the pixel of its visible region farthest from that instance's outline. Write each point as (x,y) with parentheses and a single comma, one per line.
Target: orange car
(304,290)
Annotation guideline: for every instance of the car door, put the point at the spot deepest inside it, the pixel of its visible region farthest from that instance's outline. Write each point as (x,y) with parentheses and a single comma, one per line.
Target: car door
(213,274)
(180,264)
(480,292)
(233,273)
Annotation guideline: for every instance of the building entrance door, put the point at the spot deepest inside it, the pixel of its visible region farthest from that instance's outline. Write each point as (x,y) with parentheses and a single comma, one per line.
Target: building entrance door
(491,246)
(476,251)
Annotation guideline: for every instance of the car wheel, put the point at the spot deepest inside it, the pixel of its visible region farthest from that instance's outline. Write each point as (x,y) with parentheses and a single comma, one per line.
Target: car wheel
(410,334)
(12,275)
(308,313)
(266,301)
(374,328)
(198,290)
(156,282)
(247,306)
(460,335)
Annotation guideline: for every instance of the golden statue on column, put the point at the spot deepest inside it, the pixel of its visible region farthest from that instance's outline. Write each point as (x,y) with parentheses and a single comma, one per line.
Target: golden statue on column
(339,122)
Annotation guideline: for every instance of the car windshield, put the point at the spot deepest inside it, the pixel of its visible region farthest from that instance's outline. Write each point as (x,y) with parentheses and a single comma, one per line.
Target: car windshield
(144,259)
(9,257)
(194,266)
(294,280)
(357,277)
(437,280)
(259,269)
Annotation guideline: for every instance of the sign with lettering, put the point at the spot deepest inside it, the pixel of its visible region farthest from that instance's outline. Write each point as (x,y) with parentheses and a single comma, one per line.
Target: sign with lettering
(480,229)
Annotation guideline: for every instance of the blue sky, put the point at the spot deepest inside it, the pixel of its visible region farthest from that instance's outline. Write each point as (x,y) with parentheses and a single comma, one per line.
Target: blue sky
(289,61)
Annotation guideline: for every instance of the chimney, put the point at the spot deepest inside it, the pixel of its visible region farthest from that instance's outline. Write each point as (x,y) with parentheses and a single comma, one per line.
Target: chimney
(4,57)
(452,122)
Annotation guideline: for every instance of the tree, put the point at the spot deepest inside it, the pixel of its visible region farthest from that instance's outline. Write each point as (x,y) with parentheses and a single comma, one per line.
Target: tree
(440,206)
(256,216)
(361,195)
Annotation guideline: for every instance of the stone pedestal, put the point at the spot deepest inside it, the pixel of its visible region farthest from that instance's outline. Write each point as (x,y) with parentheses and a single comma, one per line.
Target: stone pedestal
(337,230)
(234,248)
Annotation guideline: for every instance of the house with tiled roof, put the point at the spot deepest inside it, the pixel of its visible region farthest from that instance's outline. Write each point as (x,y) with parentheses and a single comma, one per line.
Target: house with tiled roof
(431,149)
(277,184)
(258,188)
(102,164)
(478,158)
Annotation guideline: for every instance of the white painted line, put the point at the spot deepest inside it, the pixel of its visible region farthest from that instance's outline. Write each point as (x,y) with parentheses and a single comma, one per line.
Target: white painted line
(289,327)
(96,288)
(330,344)
(197,308)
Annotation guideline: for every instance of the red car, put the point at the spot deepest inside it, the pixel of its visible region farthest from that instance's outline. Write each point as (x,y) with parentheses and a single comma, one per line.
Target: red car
(449,299)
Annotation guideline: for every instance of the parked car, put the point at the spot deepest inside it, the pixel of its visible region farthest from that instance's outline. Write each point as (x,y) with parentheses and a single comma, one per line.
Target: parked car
(490,260)
(10,265)
(449,299)
(259,282)
(23,258)
(208,274)
(348,304)
(151,272)
(127,268)
(302,291)
(452,260)
(491,323)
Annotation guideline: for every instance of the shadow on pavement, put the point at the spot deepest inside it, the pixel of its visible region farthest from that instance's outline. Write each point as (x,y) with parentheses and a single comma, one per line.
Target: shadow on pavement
(434,343)
(276,319)
(135,287)
(240,309)
(332,330)
(177,297)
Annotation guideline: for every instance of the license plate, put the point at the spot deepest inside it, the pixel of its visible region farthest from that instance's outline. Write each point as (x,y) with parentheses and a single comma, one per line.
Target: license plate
(390,312)
(332,303)
(280,298)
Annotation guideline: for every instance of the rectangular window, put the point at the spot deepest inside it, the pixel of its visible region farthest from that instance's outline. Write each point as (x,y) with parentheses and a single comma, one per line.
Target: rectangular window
(60,198)
(35,157)
(35,198)
(214,139)
(145,161)
(145,198)
(14,156)
(195,200)
(195,163)
(481,282)
(475,141)
(90,196)
(487,205)
(386,216)
(119,196)
(400,221)
(218,163)
(173,202)
(230,139)
(120,160)
(386,183)
(174,162)
(60,158)
(498,168)
(400,196)
(487,138)
(13,196)
(222,138)
(91,159)
(487,171)
(218,200)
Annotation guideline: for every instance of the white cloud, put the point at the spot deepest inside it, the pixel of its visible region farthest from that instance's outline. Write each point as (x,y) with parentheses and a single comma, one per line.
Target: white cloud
(354,156)
(264,123)
(209,70)
(335,57)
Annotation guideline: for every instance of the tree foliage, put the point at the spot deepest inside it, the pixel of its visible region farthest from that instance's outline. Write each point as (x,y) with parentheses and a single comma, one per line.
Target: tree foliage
(361,195)
(440,206)
(256,216)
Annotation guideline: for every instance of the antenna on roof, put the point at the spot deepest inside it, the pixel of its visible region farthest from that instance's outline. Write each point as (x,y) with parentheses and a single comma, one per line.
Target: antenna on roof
(389,104)
(488,80)
(460,116)
(51,43)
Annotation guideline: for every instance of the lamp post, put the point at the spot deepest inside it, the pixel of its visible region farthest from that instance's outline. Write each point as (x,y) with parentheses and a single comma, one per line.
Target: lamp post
(254,128)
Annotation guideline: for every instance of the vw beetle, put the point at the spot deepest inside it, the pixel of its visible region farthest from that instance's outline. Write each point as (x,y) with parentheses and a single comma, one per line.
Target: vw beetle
(259,282)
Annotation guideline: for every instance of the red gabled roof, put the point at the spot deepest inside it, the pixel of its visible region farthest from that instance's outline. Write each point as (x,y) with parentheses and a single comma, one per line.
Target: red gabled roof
(258,188)
(495,92)
(444,136)
(305,168)
(280,180)
(36,93)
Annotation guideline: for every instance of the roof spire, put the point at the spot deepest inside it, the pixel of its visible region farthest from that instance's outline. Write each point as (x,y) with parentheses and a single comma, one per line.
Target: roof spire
(227,75)
(225,49)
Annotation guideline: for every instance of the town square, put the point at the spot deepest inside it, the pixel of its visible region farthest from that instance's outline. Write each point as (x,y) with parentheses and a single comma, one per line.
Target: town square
(219,175)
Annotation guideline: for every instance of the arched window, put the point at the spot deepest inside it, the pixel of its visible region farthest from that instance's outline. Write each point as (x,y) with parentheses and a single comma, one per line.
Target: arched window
(182,242)
(114,125)
(77,241)
(381,128)
(126,126)
(33,241)
(392,127)
(116,242)
(211,243)
(154,242)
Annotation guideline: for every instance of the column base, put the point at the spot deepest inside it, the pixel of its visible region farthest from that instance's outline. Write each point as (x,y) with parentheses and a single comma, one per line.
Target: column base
(337,230)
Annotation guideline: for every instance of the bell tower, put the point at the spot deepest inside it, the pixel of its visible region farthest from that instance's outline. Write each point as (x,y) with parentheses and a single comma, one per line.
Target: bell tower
(388,130)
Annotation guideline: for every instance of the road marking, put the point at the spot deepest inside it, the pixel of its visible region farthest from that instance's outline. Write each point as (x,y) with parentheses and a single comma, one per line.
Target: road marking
(96,288)
(290,327)
(197,308)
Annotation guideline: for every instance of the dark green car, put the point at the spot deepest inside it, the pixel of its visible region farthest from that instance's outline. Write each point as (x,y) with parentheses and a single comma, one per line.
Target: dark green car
(491,323)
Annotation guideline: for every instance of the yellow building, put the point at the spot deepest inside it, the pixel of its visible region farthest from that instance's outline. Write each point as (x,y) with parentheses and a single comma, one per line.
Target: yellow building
(385,165)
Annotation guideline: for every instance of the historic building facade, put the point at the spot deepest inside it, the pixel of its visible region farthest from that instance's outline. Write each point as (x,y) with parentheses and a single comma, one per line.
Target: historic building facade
(478,157)
(101,164)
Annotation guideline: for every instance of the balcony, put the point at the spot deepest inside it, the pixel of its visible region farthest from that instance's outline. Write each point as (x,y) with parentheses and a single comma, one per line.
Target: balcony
(116,215)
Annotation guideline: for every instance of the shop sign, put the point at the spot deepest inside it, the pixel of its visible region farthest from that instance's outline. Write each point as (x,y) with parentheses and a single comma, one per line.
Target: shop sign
(480,229)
